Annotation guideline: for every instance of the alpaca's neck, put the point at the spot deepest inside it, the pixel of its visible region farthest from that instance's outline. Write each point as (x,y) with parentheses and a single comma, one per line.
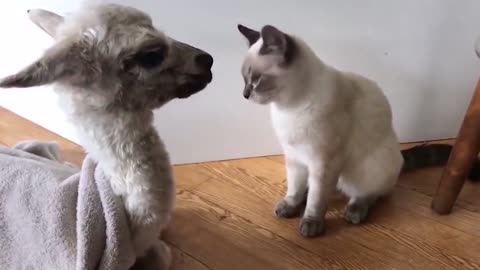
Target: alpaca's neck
(131,154)
(119,140)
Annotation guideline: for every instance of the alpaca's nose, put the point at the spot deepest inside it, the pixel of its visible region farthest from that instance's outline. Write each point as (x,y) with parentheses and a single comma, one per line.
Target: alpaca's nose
(204,60)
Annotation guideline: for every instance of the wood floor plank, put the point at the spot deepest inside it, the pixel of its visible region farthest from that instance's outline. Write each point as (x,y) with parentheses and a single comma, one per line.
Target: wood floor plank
(183,261)
(190,178)
(465,220)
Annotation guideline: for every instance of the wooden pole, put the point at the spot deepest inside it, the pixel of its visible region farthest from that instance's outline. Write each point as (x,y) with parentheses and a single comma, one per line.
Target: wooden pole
(464,153)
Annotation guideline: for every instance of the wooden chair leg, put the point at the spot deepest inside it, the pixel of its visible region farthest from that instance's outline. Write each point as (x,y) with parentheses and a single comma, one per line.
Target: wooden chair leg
(465,151)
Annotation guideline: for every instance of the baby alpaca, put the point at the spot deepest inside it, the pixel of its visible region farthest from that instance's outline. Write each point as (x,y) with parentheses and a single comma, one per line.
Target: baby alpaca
(111,68)
(335,129)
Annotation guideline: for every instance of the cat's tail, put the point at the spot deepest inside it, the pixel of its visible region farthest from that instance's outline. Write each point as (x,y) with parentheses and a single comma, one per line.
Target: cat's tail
(433,155)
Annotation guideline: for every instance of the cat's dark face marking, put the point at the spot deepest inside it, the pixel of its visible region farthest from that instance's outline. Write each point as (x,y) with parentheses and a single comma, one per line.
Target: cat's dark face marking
(262,84)
(271,53)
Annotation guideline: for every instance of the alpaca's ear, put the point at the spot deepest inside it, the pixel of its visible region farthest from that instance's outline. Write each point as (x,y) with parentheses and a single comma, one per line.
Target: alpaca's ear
(58,62)
(46,20)
(52,65)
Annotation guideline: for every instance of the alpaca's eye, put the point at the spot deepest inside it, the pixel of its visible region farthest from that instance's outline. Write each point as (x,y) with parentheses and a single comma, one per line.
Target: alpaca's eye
(146,59)
(149,59)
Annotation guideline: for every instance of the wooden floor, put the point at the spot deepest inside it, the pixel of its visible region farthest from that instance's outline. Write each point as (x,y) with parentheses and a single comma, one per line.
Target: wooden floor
(224,220)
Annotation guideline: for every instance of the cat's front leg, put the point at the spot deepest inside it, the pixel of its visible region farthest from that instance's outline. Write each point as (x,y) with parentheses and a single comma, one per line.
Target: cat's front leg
(322,181)
(290,205)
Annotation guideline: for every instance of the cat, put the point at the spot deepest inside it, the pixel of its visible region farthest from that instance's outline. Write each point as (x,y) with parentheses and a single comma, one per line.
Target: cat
(335,129)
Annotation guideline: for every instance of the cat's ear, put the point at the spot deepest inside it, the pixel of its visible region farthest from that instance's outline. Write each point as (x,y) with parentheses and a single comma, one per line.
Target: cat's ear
(274,41)
(251,35)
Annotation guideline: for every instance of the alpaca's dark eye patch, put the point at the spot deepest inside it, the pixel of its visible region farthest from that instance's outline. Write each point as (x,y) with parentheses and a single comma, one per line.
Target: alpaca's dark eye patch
(149,59)
(146,59)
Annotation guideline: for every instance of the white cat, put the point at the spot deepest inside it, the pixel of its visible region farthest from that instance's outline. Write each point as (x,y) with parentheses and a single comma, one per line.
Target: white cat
(335,129)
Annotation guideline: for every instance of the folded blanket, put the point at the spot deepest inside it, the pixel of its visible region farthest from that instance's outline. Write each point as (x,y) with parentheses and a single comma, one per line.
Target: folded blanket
(56,216)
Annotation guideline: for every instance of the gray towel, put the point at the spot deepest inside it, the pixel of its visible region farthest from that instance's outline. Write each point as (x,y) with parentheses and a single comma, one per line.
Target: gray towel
(55,216)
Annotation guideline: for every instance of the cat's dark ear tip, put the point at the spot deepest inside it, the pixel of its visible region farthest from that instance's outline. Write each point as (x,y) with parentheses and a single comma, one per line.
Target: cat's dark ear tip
(242,28)
(251,35)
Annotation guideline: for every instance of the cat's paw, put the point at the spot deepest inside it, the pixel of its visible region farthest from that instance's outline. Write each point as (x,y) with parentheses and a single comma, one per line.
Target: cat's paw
(312,227)
(356,213)
(285,210)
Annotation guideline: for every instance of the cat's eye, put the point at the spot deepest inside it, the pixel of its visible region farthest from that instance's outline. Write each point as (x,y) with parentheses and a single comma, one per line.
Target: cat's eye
(256,78)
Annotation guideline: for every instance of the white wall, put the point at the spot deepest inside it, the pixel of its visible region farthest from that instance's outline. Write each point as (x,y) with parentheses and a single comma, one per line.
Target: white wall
(420,52)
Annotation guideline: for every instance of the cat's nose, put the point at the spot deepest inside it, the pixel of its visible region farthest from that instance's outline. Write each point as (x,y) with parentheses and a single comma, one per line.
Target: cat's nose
(204,60)
(247,92)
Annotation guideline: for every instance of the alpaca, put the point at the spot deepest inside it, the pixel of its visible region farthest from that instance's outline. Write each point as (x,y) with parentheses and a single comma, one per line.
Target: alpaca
(110,68)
